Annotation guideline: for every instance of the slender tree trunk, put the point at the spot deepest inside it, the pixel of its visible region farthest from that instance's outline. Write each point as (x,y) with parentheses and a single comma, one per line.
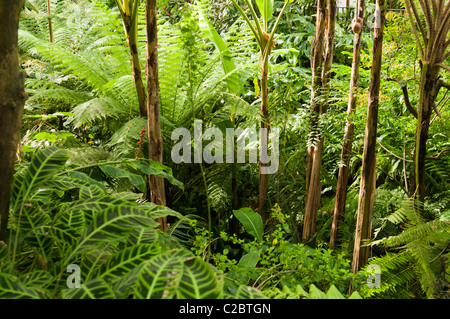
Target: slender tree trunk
(428,93)
(316,68)
(155,142)
(264,142)
(50,31)
(130,26)
(12,101)
(368,173)
(314,156)
(234,223)
(341,189)
(432,43)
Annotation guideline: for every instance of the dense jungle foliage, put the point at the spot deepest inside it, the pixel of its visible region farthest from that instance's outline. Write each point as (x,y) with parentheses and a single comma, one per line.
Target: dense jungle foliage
(80,199)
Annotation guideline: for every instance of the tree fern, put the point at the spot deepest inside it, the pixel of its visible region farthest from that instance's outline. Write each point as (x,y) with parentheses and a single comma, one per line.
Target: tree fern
(415,251)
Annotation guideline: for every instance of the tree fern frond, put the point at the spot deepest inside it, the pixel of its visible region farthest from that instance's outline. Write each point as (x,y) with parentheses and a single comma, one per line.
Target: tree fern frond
(96,109)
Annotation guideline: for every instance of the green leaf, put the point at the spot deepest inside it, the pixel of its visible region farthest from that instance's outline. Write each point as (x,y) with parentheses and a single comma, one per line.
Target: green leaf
(199,281)
(355,295)
(334,293)
(42,168)
(69,226)
(82,177)
(114,224)
(251,221)
(228,64)
(266,9)
(11,288)
(116,172)
(160,276)
(250,259)
(93,289)
(152,170)
(125,261)
(316,293)
(245,292)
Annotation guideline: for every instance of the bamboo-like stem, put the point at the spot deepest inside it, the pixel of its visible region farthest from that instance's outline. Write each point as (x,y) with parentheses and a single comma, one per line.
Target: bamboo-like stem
(50,31)
(368,170)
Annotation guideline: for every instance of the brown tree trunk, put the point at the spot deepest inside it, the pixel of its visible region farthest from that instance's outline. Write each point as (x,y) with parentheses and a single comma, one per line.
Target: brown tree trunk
(130,25)
(368,173)
(264,142)
(314,155)
(50,31)
(341,188)
(428,93)
(432,41)
(155,142)
(12,101)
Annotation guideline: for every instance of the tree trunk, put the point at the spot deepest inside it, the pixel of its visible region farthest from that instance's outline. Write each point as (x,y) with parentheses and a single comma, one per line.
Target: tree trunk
(12,101)
(316,69)
(264,142)
(50,31)
(430,27)
(428,93)
(341,188)
(155,142)
(130,26)
(368,173)
(314,156)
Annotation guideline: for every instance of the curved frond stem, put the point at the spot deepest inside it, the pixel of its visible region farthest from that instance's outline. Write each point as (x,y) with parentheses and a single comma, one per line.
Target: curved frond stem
(257,37)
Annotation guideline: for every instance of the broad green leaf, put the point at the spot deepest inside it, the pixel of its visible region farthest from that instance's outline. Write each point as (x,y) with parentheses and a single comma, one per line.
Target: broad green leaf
(316,293)
(245,292)
(36,278)
(113,224)
(152,170)
(142,236)
(334,293)
(249,260)
(90,191)
(93,289)
(82,177)
(266,9)
(355,295)
(69,226)
(12,288)
(160,276)
(199,281)
(41,170)
(228,64)
(125,261)
(116,172)
(251,221)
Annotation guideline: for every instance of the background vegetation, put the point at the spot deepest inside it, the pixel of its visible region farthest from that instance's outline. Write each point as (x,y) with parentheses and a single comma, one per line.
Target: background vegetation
(80,187)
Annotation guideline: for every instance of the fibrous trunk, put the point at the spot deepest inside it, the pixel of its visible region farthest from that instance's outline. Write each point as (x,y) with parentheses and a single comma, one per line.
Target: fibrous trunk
(341,188)
(368,172)
(264,142)
(12,101)
(155,143)
(322,59)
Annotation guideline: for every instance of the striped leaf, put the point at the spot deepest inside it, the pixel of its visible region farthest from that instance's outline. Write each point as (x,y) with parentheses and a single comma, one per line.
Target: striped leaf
(93,289)
(114,224)
(69,226)
(161,275)
(12,288)
(199,281)
(42,168)
(125,261)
